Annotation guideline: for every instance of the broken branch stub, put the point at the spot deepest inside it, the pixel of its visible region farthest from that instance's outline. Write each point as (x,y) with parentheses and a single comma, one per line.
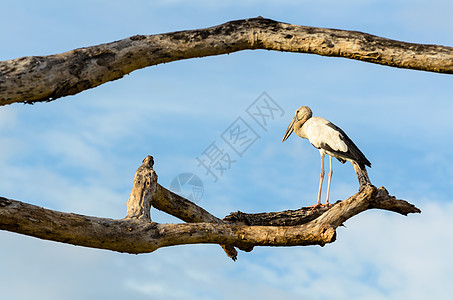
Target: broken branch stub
(143,190)
(146,192)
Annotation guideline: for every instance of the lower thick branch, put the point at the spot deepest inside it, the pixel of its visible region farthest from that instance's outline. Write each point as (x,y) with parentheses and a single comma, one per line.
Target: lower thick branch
(138,234)
(135,236)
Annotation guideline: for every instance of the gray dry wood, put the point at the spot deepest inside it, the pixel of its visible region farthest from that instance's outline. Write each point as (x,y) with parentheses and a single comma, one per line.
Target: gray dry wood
(137,233)
(45,78)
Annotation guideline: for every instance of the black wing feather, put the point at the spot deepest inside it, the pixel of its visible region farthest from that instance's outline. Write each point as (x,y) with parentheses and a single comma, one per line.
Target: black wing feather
(353,152)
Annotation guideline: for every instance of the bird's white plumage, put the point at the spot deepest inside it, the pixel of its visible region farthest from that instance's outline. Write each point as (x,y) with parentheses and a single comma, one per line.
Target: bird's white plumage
(331,140)
(317,131)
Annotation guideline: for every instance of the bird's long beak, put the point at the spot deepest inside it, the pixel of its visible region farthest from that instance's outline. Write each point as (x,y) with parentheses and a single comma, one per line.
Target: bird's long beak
(290,129)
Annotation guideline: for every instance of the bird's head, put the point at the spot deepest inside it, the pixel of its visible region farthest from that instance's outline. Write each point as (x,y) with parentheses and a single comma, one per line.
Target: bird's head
(303,113)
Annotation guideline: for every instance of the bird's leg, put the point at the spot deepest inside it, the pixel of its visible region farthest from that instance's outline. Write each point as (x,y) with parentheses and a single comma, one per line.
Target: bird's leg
(329,179)
(321,178)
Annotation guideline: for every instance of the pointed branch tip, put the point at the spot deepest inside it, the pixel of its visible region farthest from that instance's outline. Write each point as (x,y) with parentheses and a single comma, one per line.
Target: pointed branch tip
(148,161)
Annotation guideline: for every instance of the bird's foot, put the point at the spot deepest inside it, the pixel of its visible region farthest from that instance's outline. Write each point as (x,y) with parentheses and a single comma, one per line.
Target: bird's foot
(314,206)
(319,205)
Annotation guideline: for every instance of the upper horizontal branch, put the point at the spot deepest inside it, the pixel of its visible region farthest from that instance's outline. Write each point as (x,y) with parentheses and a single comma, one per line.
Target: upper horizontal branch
(44,78)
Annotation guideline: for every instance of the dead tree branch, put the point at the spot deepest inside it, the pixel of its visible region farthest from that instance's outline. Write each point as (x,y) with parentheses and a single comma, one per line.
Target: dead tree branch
(137,233)
(45,78)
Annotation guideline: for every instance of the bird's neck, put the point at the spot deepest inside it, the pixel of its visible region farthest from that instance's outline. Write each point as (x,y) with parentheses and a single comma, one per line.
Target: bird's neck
(298,127)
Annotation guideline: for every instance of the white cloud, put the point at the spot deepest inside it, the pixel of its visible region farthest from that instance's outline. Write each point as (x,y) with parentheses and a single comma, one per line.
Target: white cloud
(378,255)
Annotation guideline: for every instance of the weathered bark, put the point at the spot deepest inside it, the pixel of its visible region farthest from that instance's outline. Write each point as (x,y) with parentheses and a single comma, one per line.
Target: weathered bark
(143,190)
(45,78)
(146,193)
(138,234)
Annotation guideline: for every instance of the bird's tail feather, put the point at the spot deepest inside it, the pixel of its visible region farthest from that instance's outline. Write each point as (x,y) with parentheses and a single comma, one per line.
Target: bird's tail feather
(362,174)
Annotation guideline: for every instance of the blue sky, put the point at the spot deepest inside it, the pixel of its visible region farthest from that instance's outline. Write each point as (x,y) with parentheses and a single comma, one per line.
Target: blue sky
(79,154)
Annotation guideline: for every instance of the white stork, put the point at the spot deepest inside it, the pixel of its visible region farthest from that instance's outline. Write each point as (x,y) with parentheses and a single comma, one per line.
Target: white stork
(331,140)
